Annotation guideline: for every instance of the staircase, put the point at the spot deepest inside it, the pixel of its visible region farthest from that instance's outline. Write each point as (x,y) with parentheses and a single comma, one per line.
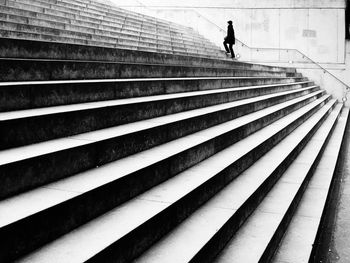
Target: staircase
(93,23)
(147,154)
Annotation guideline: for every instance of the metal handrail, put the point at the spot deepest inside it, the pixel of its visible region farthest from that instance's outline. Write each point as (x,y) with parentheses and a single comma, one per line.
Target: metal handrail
(347,89)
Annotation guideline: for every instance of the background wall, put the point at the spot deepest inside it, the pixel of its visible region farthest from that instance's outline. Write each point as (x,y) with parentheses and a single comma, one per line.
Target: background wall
(315,27)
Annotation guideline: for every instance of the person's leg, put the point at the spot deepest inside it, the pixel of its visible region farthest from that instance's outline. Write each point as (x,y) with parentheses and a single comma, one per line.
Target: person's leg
(226,48)
(231,49)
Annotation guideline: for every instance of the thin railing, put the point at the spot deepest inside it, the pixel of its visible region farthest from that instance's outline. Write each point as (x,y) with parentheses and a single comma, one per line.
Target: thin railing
(290,58)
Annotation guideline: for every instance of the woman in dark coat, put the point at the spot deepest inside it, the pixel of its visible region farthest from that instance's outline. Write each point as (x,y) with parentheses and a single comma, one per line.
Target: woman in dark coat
(230,39)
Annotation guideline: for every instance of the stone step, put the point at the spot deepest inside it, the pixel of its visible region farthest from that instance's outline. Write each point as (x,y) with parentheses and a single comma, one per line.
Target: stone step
(42,69)
(163,206)
(201,236)
(187,32)
(111,44)
(98,24)
(129,34)
(158,163)
(114,11)
(18,48)
(300,238)
(98,5)
(122,32)
(16,16)
(36,94)
(109,12)
(88,12)
(112,38)
(24,127)
(30,166)
(267,224)
(124,19)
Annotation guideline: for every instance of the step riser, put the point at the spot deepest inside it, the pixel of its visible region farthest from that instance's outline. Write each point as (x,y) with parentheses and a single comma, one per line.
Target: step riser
(47,225)
(280,231)
(222,236)
(24,175)
(21,70)
(24,131)
(143,237)
(48,50)
(16,97)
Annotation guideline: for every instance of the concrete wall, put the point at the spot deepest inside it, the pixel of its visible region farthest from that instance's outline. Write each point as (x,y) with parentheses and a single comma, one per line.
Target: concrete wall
(327,82)
(315,27)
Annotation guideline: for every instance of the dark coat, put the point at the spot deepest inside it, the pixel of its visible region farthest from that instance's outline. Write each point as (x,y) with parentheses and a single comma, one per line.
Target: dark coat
(230,38)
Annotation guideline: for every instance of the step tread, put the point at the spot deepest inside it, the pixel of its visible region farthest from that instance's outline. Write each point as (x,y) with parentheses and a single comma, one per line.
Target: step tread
(53,82)
(263,222)
(67,242)
(28,113)
(93,178)
(297,243)
(29,151)
(233,66)
(120,54)
(148,64)
(172,247)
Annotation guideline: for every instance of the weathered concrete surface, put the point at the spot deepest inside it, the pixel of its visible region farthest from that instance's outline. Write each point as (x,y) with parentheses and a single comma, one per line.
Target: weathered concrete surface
(335,242)
(339,246)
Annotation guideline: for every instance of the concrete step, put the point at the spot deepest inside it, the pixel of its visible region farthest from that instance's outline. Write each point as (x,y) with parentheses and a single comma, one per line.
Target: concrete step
(43,69)
(267,224)
(111,44)
(72,10)
(26,16)
(123,19)
(121,32)
(111,13)
(34,125)
(300,238)
(30,166)
(157,21)
(120,181)
(137,18)
(12,48)
(202,235)
(123,37)
(184,192)
(97,5)
(114,11)
(27,95)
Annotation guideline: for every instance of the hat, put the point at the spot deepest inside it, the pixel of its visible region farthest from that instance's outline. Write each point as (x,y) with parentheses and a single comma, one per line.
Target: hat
(230,22)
